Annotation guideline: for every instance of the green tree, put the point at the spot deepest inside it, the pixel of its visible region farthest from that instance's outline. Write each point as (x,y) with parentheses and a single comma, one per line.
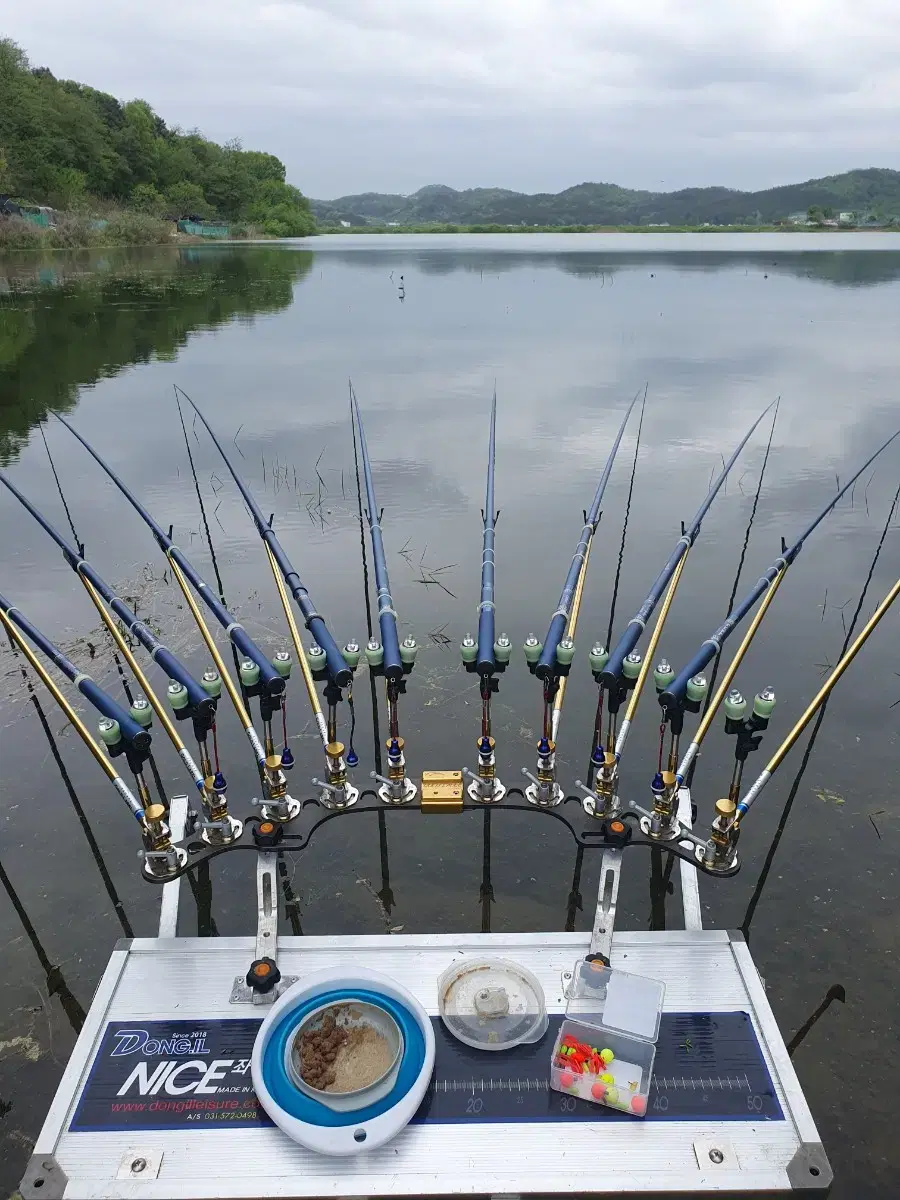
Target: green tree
(186,200)
(281,210)
(70,145)
(145,198)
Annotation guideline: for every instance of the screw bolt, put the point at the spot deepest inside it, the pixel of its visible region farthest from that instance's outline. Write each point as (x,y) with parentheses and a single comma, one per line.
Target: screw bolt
(716,1156)
(138,1165)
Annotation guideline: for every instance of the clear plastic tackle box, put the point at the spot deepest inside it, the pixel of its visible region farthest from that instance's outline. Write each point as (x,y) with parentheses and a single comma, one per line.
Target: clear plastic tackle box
(606,1045)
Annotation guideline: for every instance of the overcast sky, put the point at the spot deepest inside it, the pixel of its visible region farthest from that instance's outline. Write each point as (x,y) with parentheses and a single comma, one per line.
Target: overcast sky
(536,95)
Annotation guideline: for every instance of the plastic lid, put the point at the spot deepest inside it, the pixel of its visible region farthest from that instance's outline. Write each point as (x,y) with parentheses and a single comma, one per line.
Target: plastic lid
(492,1004)
(615,1000)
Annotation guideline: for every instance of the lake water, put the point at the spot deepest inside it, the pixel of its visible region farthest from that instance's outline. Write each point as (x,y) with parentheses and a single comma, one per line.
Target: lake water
(265,339)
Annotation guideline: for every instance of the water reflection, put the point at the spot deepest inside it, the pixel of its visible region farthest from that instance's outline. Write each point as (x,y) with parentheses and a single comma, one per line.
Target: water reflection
(84,316)
(845,268)
(54,979)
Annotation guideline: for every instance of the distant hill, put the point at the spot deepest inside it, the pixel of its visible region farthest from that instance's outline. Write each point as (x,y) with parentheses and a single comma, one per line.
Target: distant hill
(874,191)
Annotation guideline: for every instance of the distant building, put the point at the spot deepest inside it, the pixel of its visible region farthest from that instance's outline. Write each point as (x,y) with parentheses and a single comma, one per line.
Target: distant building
(345,224)
(846,218)
(799,218)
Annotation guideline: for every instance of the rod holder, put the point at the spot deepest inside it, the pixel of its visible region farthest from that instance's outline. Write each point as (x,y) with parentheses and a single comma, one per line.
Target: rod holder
(277,805)
(218,827)
(663,825)
(720,852)
(543,791)
(396,788)
(485,787)
(161,858)
(602,800)
(337,790)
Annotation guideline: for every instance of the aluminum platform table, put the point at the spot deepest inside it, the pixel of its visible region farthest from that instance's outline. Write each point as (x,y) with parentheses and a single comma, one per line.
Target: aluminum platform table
(189,981)
(157,1102)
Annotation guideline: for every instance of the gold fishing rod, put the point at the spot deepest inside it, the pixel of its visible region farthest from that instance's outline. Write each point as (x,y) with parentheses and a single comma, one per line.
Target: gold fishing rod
(79,726)
(269,677)
(671,698)
(570,635)
(164,719)
(206,634)
(298,648)
(816,702)
(600,799)
(543,791)
(648,656)
(337,791)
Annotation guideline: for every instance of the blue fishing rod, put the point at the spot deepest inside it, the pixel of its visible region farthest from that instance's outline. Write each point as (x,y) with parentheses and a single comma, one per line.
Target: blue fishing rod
(488,656)
(389,657)
(258,675)
(337,790)
(338,671)
(119,728)
(551,660)
(187,697)
(245,645)
(612,673)
(121,733)
(624,670)
(672,698)
(549,656)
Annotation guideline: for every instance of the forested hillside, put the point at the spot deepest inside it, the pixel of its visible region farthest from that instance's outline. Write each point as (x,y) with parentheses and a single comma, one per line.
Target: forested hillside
(873,192)
(67,145)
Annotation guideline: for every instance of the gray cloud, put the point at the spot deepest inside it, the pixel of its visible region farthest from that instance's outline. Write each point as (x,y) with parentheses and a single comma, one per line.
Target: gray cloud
(531,94)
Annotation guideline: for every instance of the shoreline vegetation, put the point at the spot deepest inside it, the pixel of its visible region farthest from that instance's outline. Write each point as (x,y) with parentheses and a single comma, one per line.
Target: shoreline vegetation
(128,228)
(644,229)
(77,231)
(114,173)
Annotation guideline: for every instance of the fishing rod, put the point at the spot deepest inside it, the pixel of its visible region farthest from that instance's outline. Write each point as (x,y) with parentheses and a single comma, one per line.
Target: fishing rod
(124,730)
(547,660)
(258,675)
(119,731)
(187,697)
(767,585)
(486,661)
(385,892)
(556,714)
(389,657)
(551,660)
(721,850)
(598,655)
(662,671)
(338,671)
(613,671)
(623,670)
(337,791)
(489,656)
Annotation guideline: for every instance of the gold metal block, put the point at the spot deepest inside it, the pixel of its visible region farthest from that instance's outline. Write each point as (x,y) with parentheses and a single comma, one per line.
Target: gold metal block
(442,792)
(668,778)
